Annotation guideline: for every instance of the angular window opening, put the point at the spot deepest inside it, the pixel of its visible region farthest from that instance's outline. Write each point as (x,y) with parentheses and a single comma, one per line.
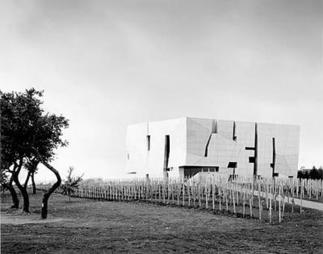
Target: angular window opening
(252,159)
(214,130)
(214,126)
(148,142)
(232,164)
(167,144)
(166,153)
(234,136)
(128,156)
(207,146)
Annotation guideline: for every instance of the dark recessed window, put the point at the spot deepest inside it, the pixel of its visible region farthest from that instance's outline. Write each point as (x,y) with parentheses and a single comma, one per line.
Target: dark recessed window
(232,164)
(166,152)
(234,137)
(148,142)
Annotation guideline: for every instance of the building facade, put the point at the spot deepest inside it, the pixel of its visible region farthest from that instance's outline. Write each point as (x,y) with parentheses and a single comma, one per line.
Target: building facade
(185,146)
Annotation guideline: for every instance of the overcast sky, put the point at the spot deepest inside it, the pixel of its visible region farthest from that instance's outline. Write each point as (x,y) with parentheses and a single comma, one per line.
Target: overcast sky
(106,64)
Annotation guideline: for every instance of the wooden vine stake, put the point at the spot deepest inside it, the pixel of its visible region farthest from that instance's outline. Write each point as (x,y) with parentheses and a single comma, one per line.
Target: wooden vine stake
(183,186)
(194,194)
(173,194)
(226,199)
(213,197)
(238,192)
(189,194)
(164,194)
(270,209)
(283,213)
(302,193)
(275,203)
(244,203)
(206,196)
(233,201)
(178,187)
(267,186)
(220,196)
(159,193)
(260,209)
(250,203)
(199,195)
(279,206)
(259,201)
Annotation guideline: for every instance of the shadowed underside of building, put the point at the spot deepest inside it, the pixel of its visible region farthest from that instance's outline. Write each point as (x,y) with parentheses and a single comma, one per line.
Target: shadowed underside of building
(185,146)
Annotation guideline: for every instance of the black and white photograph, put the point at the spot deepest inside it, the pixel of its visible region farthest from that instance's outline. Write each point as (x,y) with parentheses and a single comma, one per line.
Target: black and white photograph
(161,126)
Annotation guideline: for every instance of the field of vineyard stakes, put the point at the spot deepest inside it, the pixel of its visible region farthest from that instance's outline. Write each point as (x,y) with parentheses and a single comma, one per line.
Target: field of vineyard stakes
(85,225)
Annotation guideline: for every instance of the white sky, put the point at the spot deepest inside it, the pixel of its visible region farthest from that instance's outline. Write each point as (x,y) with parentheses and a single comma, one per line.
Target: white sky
(106,64)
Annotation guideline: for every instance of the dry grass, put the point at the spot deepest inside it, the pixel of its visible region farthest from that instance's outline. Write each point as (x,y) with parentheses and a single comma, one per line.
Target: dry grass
(85,226)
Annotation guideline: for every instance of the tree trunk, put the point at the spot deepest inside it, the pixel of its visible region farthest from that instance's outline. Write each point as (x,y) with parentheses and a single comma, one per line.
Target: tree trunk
(44,210)
(23,191)
(27,180)
(33,182)
(13,193)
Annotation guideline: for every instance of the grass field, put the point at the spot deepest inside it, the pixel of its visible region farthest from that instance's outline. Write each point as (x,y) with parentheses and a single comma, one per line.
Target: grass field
(84,226)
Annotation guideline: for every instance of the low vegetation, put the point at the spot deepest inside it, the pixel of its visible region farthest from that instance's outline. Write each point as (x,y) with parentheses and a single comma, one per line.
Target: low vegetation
(92,226)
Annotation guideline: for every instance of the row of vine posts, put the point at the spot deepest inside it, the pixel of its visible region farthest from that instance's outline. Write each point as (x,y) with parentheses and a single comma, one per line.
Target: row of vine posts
(267,200)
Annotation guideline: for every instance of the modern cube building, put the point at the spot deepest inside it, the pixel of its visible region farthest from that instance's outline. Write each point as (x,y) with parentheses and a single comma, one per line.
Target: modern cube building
(186,146)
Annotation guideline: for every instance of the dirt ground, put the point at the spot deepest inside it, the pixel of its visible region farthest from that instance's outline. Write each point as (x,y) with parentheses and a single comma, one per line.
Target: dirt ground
(88,226)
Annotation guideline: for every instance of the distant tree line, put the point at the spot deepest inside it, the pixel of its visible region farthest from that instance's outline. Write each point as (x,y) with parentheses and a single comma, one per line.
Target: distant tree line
(314,173)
